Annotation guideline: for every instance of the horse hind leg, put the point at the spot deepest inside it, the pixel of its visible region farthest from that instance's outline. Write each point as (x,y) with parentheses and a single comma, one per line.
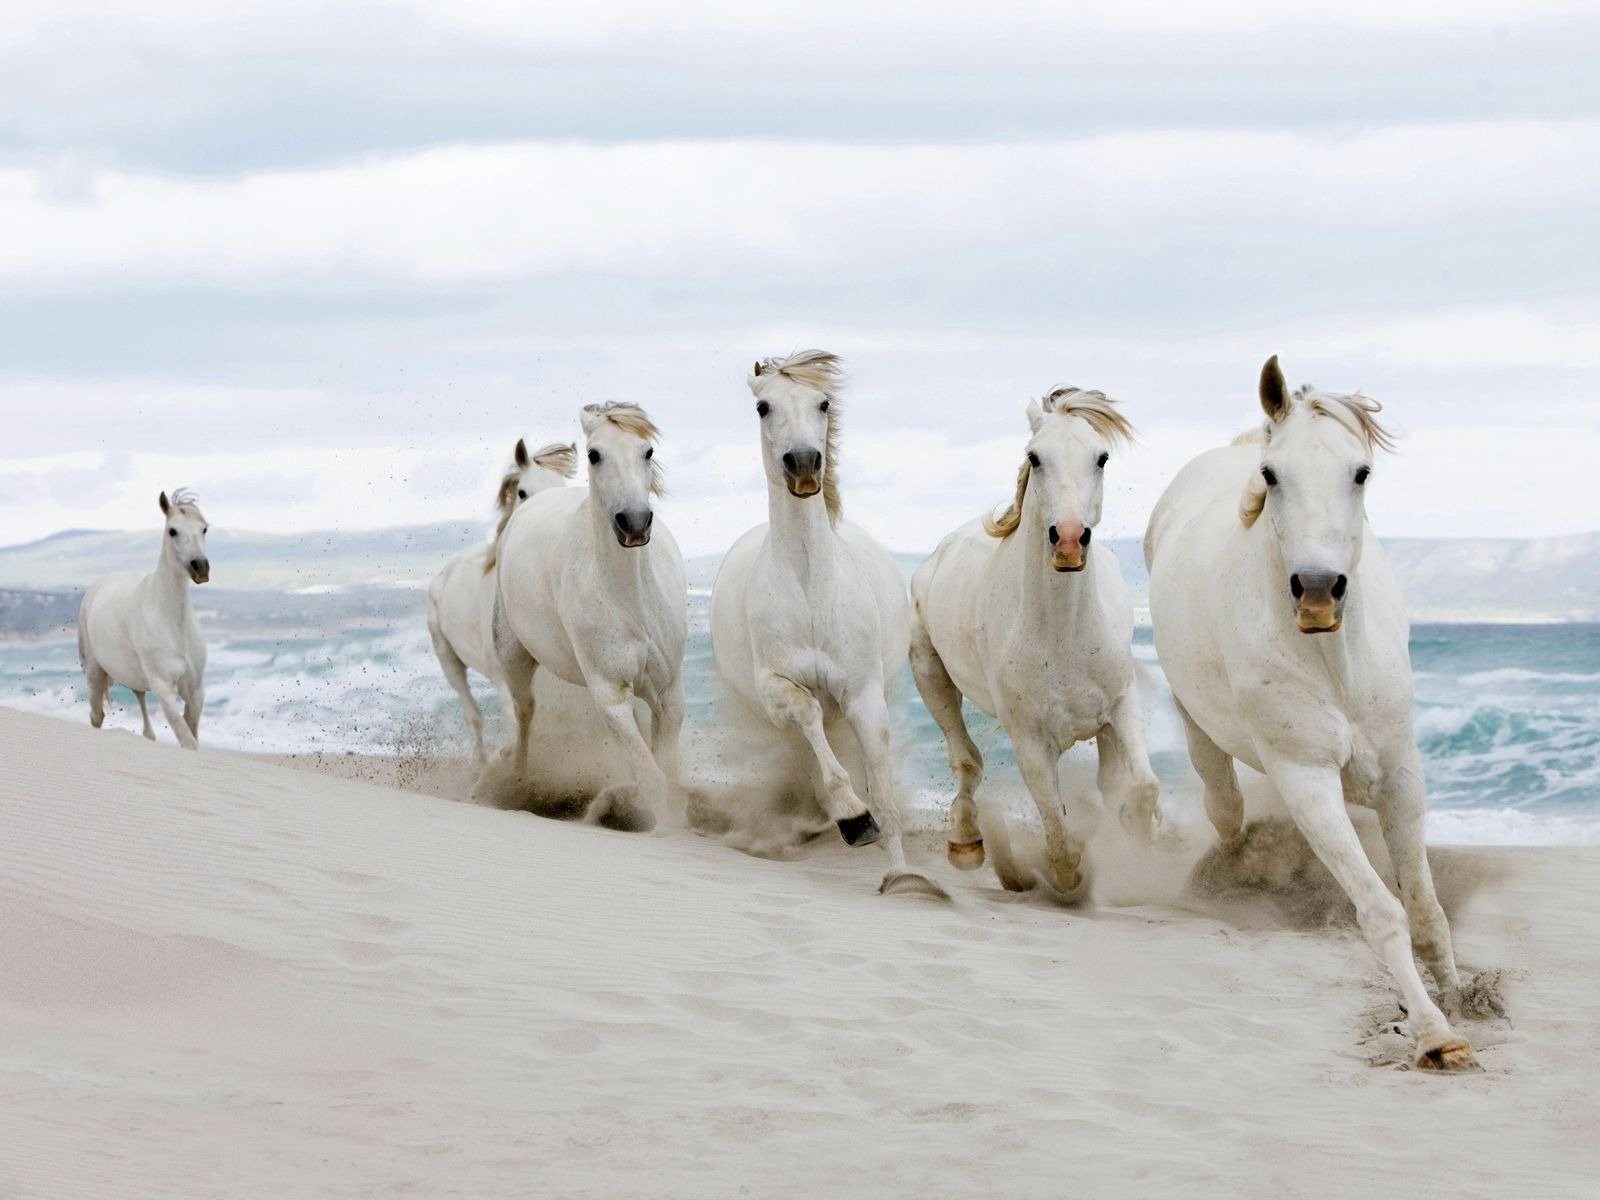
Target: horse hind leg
(99,685)
(1224,800)
(943,700)
(144,712)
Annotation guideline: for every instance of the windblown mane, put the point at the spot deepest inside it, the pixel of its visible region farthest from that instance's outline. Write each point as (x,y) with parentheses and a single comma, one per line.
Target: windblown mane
(1098,409)
(560,458)
(823,372)
(631,419)
(185,499)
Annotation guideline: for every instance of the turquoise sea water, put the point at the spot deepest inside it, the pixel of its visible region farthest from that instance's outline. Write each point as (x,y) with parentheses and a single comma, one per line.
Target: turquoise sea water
(1507,716)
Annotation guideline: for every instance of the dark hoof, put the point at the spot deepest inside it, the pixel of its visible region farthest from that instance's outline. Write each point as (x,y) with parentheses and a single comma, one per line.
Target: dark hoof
(859,831)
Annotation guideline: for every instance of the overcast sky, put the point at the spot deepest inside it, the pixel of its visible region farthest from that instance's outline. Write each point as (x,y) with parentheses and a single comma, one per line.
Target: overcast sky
(324,263)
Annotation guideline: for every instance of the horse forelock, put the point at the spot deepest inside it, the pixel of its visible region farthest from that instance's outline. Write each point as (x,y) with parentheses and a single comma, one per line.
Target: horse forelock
(185,501)
(1099,410)
(633,420)
(1357,413)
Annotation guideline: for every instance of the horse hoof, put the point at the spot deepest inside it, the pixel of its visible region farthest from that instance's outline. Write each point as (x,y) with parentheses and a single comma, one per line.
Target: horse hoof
(910,883)
(859,830)
(1454,1055)
(966,856)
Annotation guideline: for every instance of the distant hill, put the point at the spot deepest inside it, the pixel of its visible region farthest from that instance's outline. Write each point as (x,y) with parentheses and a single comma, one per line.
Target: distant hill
(1534,579)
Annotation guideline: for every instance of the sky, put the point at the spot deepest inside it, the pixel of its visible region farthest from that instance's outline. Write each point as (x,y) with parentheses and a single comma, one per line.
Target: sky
(325,262)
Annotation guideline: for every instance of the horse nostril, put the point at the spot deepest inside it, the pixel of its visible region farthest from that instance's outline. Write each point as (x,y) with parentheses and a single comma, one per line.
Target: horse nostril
(649,519)
(1339,586)
(1054,536)
(789,463)
(1296,589)
(1083,539)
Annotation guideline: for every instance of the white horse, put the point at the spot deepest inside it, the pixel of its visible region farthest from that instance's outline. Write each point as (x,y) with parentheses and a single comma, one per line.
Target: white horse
(808,614)
(1022,616)
(461,596)
(140,630)
(1285,641)
(592,590)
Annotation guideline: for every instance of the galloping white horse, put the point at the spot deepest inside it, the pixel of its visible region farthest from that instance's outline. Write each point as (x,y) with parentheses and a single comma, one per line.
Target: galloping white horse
(808,613)
(1285,641)
(140,631)
(461,596)
(1025,618)
(593,590)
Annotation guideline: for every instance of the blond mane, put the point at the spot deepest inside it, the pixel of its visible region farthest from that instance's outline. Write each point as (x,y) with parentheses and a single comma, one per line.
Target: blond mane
(1102,415)
(821,371)
(559,458)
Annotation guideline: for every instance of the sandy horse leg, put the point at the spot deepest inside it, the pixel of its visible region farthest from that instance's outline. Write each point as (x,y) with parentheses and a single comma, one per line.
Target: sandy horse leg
(193,703)
(790,706)
(666,726)
(1224,801)
(614,699)
(1315,798)
(1125,776)
(518,668)
(1400,809)
(869,720)
(168,698)
(943,700)
(144,713)
(455,674)
(1040,765)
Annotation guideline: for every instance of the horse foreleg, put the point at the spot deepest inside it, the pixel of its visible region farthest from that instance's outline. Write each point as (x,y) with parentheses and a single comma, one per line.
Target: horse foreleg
(1039,765)
(790,706)
(943,700)
(1315,798)
(1224,800)
(666,727)
(869,720)
(455,674)
(517,667)
(193,703)
(144,715)
(1125,776)
(168,698)
(99,685)
(615,702)
(1400,803)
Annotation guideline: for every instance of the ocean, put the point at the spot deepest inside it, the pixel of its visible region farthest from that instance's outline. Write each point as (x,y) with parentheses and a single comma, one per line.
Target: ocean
(1507,716)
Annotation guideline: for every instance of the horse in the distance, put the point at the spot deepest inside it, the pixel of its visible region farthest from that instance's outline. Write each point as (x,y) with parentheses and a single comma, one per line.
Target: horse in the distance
(140,630)
(461,596)
(1286,642)
(1023,616)
(809,621)
(592,589)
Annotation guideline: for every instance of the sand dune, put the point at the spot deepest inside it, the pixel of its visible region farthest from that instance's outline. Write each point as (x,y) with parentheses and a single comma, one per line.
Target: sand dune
(221,977)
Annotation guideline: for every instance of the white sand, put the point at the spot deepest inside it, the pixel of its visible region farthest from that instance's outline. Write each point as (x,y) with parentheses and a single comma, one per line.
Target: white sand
(221,977)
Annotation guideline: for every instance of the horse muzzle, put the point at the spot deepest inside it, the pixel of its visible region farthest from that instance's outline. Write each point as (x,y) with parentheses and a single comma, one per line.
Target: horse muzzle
(633,528)
(1318,600)
(200,570)
(802,472)
(1069,546)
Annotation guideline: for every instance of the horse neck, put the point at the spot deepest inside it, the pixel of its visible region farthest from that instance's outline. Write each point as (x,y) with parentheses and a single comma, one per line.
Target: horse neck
(169,583)
(802,535)
(621,571)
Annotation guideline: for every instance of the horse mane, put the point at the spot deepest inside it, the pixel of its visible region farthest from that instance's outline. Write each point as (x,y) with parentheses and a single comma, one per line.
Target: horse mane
(1102,415)
(559,458)
(821,371)
(185,499)
(1357,413)
(631,419)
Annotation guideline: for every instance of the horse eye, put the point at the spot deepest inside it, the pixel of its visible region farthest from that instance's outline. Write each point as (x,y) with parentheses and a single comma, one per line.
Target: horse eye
(1271,478)
(172,533)
(1102,460)
(1361,475)
(1033,459)
(762,408)
(823,407)
(594,456)
(522,493)
(649,451)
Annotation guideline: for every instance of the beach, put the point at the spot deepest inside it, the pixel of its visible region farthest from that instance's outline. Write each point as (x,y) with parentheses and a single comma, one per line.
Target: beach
(226,976)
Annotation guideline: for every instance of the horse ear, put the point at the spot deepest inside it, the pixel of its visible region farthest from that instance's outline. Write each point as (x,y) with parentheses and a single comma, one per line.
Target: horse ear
(756,370)
(1274,392)
(521,454)
(1035,416)
(589,417)
(166,505)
